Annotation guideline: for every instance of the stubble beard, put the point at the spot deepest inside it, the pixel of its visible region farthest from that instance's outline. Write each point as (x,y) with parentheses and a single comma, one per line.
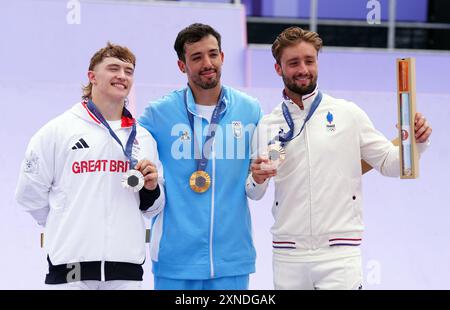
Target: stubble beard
(208,84)
(300,90)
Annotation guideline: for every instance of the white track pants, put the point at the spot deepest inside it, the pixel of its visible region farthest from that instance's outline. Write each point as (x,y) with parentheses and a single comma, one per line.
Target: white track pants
(342,273)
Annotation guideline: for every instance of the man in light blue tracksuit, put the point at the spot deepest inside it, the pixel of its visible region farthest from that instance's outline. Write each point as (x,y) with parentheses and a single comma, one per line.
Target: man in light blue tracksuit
(203,239)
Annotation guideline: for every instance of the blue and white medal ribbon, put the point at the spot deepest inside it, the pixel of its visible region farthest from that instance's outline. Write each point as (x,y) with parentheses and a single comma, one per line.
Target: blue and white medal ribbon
(200,181)
(132,179)
(277,146)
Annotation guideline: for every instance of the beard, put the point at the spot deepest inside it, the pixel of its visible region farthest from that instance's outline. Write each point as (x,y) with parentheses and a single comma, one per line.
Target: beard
(209,83)
(300,90)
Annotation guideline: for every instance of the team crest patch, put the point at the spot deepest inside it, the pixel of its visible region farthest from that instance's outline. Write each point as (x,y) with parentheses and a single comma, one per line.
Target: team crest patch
(31,164)
(330,125)
(185,136)
(237,128)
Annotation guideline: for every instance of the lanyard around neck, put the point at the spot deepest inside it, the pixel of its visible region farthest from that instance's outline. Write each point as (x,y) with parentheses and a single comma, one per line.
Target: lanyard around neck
(285,137)
(215,119)
(127,151)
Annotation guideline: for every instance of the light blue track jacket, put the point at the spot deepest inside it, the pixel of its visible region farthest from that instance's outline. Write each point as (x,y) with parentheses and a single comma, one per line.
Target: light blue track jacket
(208,235)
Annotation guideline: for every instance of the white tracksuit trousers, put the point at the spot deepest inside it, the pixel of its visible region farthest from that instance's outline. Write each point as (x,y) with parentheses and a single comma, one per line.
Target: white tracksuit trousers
(324,269)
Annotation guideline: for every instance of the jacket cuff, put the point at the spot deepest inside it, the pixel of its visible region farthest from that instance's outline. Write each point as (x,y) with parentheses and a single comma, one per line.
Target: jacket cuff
(148,197)
(254,190)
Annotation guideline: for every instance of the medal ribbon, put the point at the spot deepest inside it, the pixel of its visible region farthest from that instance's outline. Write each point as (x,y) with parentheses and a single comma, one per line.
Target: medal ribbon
(285,137)
(215,119)
(127,151)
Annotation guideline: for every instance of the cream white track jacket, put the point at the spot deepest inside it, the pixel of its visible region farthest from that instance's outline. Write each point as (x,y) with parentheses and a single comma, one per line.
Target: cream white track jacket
(318,196)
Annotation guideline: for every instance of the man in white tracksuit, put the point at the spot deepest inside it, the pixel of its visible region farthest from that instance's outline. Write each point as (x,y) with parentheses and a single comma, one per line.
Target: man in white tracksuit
(88,177)
(318,198)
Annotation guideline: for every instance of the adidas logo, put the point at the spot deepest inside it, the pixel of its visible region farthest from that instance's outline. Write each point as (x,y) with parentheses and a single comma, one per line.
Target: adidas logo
(81,144)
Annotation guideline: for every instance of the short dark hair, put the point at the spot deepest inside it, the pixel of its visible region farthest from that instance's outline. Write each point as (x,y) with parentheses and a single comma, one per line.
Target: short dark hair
(191,34)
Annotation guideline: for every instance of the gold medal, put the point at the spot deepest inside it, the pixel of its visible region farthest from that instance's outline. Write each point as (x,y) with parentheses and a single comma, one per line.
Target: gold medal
(200,181)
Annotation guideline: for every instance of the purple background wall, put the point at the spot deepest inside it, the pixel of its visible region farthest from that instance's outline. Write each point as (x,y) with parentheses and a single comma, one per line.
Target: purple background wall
(39,28)
(363,70)
(407,10)
(45,62)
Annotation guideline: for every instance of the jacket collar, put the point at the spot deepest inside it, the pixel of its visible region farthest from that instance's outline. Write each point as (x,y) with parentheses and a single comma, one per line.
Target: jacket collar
(306,99)
(82,111)
(190,101)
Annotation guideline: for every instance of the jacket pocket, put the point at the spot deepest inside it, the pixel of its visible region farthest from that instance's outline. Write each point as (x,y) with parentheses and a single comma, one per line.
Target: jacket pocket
(356,200)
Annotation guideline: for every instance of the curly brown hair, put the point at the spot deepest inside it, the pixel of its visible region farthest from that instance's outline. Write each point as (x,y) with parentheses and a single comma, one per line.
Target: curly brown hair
(110,50)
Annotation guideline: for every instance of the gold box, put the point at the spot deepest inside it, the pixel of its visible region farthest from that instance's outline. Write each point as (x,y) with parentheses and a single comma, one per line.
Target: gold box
(406,99)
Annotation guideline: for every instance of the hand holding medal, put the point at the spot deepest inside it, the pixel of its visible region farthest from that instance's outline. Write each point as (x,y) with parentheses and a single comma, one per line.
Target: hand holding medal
(266,167)
(260,174)
(150,173)
(133,179)
(275,156)
(144,174)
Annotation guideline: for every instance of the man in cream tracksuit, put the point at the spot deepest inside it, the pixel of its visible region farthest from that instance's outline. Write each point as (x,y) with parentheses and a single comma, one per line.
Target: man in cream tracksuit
(73,177)
(318,197)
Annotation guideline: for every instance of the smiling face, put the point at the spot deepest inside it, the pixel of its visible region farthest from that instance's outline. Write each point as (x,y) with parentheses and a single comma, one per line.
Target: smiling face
(203,63)
(298,67)
(112,79)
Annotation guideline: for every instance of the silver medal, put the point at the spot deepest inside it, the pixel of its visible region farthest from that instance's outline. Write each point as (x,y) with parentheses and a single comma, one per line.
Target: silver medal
(133,179)
(276,155)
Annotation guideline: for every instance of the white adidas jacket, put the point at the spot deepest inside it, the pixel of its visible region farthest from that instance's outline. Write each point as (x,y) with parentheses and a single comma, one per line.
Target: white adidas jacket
(318,196)
(70,183)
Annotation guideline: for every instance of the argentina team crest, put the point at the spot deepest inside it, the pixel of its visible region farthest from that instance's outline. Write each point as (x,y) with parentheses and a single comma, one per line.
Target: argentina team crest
(237,129)
(185,136)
